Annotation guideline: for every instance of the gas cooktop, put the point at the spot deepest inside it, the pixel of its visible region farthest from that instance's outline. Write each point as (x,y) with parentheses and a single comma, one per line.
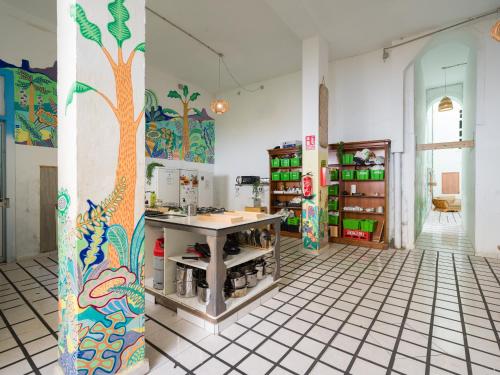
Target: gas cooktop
(210,210)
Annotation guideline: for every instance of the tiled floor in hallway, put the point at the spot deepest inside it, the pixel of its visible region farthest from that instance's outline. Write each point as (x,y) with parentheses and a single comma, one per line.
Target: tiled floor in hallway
(349,310)
(444,231)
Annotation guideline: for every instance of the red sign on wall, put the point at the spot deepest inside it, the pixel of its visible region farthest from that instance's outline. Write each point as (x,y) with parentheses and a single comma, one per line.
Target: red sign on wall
(310,142)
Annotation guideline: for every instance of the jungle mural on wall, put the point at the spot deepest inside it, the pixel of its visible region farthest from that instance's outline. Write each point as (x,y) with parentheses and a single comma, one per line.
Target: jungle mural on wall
(101,289)
(35,104)
(189,135)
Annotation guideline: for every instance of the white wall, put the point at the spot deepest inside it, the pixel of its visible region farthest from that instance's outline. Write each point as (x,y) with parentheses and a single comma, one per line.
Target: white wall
(26,37)
(255,123)
(487,236)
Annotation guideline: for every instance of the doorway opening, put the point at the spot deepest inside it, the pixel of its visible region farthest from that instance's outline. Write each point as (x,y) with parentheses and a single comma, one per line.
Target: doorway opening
(444,96)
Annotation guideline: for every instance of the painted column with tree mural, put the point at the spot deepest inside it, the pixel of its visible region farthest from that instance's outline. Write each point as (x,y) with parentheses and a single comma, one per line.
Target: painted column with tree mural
(101,186)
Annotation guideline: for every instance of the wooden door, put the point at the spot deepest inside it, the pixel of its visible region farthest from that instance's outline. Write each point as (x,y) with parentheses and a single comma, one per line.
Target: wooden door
(48,201)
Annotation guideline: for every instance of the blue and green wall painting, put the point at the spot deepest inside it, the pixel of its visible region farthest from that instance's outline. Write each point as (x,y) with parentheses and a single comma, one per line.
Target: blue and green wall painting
(188,135)
(35,104)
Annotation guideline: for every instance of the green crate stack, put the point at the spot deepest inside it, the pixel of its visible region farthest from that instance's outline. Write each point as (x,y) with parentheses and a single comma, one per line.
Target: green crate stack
(285,176)
(295,176)
(275,176)
(275,163)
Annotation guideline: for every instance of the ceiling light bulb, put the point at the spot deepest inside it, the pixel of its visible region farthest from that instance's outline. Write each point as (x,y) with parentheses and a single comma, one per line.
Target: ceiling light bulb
(219,106)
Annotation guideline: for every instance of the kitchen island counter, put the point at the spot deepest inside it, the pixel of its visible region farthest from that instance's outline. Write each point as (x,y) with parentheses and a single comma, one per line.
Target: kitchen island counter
(217,309)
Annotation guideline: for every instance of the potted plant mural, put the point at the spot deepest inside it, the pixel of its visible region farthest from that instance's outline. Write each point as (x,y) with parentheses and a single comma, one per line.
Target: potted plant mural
(186,100)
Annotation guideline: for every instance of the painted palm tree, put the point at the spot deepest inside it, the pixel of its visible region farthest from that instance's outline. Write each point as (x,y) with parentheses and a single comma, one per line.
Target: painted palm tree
(186,100)
(123,108)
(33,85)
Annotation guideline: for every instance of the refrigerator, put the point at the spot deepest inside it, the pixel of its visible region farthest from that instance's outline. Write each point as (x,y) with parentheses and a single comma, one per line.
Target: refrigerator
(179,187)
(188,187)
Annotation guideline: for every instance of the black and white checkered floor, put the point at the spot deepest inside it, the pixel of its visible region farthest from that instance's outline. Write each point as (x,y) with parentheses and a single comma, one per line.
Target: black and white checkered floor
(349,310)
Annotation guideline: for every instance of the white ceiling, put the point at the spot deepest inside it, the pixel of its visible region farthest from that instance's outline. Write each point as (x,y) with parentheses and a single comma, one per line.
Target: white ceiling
(261,39)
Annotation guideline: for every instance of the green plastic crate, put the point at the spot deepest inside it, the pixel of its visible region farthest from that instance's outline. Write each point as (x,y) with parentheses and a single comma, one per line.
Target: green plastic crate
(333,205)
(377,174)
(368,225)
(285,176)
(275,176)
(363,174)
(295,176)
(293,221)
(285,162)
(333,190)
(348,174)
(347,159)
(334,175)
(353,224)
(333,219)
(295,162)
(275,163)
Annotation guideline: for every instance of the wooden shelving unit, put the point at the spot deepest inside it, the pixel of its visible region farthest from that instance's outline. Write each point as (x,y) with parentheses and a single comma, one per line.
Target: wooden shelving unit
(375,193)
(280,185)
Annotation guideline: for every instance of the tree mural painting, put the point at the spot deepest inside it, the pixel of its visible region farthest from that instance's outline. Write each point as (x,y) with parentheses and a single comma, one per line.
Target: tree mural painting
(101,292)
(124,106)
(35,104)
(166,135)
(186,100)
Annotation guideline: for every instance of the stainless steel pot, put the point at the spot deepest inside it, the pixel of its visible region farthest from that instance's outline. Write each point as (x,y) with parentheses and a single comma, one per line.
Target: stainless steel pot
(203,292)
(185,281)
(238,280)
(261,270)
(251,278)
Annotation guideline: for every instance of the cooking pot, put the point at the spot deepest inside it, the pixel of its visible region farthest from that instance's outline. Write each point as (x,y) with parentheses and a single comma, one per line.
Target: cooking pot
(185,281)
(252,279)
(203,292)
(238,280)
(261,269)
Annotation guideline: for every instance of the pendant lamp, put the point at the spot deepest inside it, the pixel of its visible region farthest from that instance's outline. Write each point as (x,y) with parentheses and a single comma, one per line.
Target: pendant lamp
(495,31)
(219,106)
(445,104)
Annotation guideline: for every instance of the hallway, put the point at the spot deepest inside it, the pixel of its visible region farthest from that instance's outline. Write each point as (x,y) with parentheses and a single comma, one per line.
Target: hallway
(443,231)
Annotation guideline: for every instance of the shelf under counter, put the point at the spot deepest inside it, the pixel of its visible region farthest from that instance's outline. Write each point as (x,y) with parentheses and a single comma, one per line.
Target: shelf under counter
(246,254)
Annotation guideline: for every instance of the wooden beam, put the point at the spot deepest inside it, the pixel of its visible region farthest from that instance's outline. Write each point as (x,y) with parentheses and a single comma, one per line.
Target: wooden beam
(445,145)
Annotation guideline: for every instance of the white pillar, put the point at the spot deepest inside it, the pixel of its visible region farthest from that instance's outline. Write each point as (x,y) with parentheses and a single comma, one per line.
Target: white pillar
(397,200)
(314,210)
(101,186)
